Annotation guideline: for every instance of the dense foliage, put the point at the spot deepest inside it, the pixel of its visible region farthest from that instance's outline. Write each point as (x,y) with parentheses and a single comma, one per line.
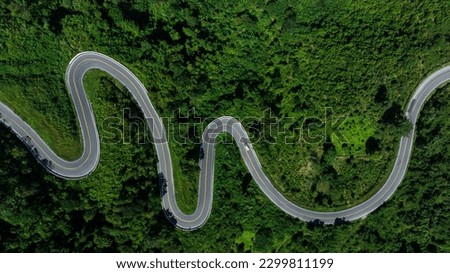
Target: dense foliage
(312,64)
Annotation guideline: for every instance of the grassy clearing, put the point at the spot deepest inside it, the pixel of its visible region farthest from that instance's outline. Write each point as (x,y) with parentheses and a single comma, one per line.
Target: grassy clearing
(356,131)
(247,238)
(186,197)
(64,144)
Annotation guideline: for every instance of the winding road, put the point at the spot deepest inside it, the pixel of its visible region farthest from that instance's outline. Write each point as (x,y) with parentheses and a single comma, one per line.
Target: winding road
(88,161)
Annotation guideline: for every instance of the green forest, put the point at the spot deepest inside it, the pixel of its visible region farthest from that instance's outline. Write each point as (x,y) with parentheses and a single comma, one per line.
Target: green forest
(297,64)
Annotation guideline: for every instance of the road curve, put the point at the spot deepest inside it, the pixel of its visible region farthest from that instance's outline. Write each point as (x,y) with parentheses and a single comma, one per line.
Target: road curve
(88,161)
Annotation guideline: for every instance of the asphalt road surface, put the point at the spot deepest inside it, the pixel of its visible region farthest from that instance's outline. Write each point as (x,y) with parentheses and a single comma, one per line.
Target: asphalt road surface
(88,161)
